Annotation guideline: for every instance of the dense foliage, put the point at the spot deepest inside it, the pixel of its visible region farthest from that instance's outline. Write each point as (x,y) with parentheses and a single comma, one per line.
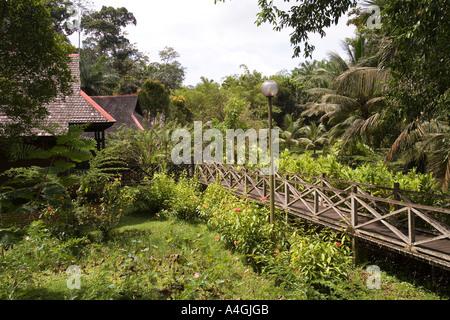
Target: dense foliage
(377,117)
(34,65)
(174,241)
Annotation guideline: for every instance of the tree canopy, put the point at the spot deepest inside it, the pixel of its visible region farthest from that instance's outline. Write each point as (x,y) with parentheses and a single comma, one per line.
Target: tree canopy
(34,63)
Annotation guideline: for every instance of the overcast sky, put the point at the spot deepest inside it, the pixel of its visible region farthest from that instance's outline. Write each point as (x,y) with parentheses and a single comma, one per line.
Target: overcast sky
(213,40)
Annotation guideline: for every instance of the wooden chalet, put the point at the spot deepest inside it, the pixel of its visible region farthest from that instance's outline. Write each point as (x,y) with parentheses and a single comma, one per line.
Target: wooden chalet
(76,109)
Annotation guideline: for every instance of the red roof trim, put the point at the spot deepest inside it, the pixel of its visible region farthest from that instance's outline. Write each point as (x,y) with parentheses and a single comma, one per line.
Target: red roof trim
(137,122)
(125,95)
(97,107)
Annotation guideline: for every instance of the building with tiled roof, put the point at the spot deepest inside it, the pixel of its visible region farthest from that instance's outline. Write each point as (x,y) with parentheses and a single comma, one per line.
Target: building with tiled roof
(77,108)
(125,109)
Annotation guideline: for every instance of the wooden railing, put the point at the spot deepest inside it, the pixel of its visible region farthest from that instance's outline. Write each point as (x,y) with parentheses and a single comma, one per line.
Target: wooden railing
(388,216)
(141,174)
(379,214)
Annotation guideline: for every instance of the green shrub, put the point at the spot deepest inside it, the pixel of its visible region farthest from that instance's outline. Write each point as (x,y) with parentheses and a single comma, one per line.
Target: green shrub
(186,199)
(374,173)
(320,256)
(154,197)
(244,225)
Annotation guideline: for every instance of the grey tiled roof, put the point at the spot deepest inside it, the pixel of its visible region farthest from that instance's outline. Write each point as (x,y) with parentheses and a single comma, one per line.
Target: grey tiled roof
(125,109)
(77,108)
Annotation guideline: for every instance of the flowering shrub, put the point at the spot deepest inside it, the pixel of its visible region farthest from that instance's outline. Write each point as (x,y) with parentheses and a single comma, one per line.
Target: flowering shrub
(243,224)
(108,213)
(318,256)
(283,251)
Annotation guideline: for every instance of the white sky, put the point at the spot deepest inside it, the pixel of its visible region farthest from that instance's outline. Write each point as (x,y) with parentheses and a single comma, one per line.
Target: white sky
(213,40)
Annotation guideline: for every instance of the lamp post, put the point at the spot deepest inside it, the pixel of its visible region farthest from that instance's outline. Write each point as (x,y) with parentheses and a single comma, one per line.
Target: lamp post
(270,89)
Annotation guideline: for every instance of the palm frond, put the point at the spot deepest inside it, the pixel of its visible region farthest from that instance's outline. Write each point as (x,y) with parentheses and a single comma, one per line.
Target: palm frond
(338,60)
(375,104)
(402,141)
(361,83)
(320,108)
(346,103)
(319,92)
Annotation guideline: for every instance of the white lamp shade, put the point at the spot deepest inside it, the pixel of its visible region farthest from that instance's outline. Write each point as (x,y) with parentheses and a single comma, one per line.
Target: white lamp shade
(269,88)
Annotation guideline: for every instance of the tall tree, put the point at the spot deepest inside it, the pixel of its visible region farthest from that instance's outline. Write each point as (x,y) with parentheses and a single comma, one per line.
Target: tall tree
(419,33)
(34,63)
(154,99)
(106,28)
(169,71)
(108,53)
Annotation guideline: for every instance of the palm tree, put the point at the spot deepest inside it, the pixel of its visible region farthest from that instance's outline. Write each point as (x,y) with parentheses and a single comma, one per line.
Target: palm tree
(146,143)
(291,130)
(318,74)
(97,78)
(354,106)
(427,142)
(314,136)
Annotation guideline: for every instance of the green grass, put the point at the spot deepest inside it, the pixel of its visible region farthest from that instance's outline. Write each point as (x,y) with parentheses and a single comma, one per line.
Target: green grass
(173,259)
(154,259)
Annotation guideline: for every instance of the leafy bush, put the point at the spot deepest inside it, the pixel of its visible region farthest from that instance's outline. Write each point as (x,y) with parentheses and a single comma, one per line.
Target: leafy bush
(244,225)
(47,190)
(320,256)
(105,213)
(186,199)
(154,197)
(375,173)
(294,257)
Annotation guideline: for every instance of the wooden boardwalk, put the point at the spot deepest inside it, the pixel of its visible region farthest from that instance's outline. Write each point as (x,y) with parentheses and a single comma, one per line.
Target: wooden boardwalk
(400,224)
(388,217)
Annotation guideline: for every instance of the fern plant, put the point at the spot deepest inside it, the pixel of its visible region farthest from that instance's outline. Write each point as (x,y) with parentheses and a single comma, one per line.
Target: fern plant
(31,189)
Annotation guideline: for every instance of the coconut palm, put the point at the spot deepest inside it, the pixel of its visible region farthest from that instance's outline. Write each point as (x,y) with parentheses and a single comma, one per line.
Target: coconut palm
(426,143)
(314,136)
(291,130)
(318,74)
(354,105)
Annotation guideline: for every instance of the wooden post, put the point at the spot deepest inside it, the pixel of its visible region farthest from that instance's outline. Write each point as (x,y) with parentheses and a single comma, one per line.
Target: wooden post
(396,193)
(354,216)
(286,191)
(396,198)
(411,226)
(316,201)
(355,250)
(286,196)
(322,178)
(264,187)
(354,205)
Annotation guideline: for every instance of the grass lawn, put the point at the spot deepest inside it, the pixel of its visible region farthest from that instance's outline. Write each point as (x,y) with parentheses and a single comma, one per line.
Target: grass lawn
(159,259)
(173,259)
